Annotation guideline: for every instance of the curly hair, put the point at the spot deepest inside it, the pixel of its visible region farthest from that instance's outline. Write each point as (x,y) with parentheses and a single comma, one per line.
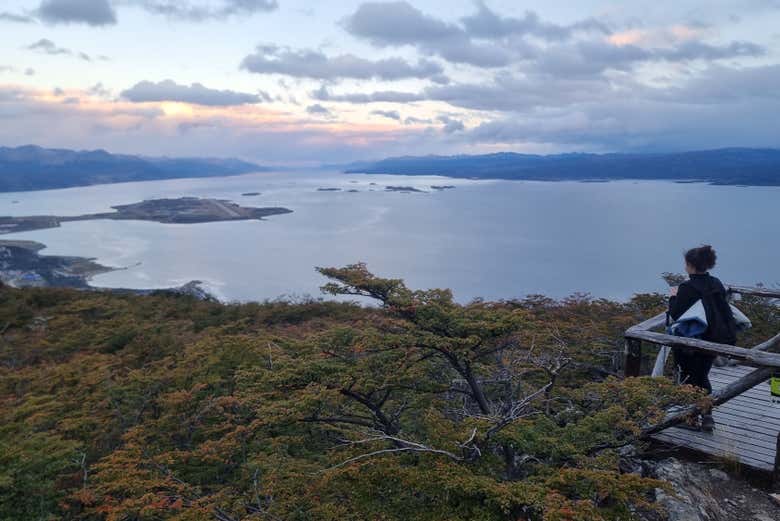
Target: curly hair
(702,258)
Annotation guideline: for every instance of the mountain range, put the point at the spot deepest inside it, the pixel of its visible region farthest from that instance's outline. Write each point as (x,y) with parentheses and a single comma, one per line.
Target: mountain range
(726,166)
(34,168)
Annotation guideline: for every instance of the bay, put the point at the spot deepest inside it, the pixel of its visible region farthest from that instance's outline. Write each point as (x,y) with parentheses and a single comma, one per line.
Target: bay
(483,238)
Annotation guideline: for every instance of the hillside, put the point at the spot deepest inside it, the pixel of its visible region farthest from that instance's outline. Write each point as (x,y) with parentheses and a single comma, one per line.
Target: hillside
(162,407)
(35,168)
(728,166)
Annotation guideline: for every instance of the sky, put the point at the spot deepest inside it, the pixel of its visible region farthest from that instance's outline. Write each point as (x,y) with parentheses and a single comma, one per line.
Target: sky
(288,82)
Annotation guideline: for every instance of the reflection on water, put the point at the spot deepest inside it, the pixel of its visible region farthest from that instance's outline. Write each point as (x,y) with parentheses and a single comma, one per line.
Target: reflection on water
(491,239)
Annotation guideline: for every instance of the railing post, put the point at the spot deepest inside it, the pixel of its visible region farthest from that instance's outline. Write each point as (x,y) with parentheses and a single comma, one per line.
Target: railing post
(632,362)
(776,471)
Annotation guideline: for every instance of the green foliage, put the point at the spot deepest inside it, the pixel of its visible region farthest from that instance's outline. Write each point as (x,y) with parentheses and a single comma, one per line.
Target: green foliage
(119,407)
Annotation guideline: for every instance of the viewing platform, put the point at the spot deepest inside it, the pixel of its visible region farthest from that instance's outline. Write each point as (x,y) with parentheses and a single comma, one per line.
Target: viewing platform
(747,422)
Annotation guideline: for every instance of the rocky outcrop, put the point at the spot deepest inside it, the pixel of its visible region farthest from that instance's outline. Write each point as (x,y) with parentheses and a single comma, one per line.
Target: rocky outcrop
(702,492)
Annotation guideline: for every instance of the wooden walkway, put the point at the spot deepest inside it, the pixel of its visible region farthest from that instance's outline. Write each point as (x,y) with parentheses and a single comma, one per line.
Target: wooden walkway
(746,427)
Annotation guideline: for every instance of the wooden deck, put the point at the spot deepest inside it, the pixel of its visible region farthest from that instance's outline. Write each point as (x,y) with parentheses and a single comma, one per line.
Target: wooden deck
(746,427)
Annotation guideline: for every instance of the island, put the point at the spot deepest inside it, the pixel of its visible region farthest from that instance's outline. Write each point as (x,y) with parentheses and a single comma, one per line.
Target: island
(442,187)
(328,189)
(250,194)
(403,189)
(184,210)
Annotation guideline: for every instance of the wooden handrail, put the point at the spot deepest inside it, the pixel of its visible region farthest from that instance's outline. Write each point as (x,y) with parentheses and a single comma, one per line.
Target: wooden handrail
(758,292)
(651,323)
(752,356)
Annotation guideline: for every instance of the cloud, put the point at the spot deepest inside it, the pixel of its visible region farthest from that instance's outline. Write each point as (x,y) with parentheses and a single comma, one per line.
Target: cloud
(270,59)
(488,24)
(254,131)
(390,114)
(386,24)
(720,107)
(197,94)
(46,46)
(411,120)
(10,69)
(90,12)
(318,110)
(451,125)
(186,11)
(5,16)
(389,96)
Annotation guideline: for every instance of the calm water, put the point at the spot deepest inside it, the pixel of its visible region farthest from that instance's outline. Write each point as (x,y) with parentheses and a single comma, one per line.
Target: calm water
(491,239)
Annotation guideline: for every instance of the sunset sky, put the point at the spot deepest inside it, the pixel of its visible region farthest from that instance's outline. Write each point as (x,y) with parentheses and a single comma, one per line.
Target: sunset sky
(295,82)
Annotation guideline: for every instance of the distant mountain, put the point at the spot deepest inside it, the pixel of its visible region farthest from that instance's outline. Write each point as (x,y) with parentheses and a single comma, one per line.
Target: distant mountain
(727,166)
(34,168)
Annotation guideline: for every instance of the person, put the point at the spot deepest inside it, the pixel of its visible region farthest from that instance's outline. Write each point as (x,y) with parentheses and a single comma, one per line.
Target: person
(694,365)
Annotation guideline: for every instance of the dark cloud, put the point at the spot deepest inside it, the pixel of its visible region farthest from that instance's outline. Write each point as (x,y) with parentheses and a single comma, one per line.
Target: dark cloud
(270,59)
(90,12)
(5,16)
(592,57)
(200,11)
(387,24)
(390,114)
(721,106)
(488,24)
(487,39)
(168,90)
(451,125)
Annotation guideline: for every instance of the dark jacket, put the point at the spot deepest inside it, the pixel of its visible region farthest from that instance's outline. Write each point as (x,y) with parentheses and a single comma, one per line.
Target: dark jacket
(721,326)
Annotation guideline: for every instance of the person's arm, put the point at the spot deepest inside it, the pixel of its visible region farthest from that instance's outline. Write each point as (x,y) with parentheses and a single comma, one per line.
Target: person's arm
(685,298)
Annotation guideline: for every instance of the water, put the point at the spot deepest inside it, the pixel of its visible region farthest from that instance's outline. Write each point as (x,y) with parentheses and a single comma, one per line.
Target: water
(491,239)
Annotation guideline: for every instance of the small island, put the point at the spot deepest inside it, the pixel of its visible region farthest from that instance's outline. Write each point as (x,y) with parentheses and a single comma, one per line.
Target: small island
(250,194)
(403,189)
(442,187)
(184,210)
(328,189)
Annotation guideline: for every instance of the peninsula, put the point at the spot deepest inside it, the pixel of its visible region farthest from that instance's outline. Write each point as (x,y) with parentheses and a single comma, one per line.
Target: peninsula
(184,210)
(32,167)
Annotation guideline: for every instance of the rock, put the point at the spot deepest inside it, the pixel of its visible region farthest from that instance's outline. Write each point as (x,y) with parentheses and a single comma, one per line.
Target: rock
(700,493)
(719,475)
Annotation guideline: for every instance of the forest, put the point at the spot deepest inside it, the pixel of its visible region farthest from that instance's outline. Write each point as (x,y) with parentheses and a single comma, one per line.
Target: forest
(387,403)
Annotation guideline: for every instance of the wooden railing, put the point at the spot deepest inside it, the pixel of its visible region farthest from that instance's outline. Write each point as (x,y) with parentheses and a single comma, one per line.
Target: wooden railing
(766,363)
(755,356)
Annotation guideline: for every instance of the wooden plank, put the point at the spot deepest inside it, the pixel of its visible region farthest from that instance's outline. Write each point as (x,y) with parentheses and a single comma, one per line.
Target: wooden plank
(702,444)
(759,358)
(758,292)
(760,461)
(769,344)
(652,323)
(708,446)
(746,426)
(718,397)
(724,433)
